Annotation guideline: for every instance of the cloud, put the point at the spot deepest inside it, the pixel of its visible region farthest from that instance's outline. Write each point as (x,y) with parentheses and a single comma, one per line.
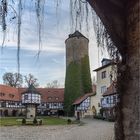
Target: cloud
(55,30)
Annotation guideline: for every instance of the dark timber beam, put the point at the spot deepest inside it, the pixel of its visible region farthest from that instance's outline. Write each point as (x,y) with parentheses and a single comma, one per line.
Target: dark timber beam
(112,14)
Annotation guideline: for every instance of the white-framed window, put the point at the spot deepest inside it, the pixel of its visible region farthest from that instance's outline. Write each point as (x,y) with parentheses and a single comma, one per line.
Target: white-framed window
(103,89)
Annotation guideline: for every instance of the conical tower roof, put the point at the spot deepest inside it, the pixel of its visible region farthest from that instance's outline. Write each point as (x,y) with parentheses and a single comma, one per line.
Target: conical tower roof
(31,89)
(76,34)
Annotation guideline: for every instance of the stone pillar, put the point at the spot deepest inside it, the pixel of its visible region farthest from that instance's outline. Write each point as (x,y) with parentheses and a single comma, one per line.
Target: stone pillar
(31,111)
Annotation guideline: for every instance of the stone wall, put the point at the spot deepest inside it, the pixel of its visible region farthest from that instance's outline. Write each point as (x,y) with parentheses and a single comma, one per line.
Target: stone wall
(76,48)
(78,78)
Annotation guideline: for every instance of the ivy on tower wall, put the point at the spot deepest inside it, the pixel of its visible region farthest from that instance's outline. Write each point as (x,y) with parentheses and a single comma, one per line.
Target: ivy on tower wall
(85,75)
(77,82)
(73,87)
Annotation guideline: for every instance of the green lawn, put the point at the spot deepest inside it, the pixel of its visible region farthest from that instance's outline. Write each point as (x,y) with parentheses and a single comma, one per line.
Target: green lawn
(10,121)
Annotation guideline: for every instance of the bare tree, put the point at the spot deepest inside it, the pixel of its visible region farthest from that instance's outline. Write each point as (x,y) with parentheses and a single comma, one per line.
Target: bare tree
(30,79)
(53,84)
(13,79)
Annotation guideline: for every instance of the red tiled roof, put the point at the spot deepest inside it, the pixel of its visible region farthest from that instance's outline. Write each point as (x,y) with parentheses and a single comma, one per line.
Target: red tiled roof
(47,94)
(82,98)
(110,90)
(51,94)
(9,93)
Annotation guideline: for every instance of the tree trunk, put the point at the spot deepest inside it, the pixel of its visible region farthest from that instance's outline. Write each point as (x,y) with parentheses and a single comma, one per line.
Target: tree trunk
(130,100)
(128,118)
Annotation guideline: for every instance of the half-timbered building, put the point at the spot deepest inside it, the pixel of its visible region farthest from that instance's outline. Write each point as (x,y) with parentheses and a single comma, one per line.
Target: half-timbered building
(82,106)
(109,102)
(12,104)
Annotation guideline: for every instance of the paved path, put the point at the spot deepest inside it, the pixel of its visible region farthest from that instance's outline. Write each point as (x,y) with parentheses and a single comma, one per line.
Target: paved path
(92,130)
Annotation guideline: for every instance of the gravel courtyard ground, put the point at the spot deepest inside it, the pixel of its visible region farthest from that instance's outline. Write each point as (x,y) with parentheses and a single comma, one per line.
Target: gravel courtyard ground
(91,130)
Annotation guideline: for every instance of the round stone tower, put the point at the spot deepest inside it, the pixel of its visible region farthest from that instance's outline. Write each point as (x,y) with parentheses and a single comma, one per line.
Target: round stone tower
(76,47)
(78,78)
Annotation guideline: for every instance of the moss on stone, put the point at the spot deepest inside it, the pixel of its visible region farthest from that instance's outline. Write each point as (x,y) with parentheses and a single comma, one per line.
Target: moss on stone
(85,75)
(72,86)
(77,82)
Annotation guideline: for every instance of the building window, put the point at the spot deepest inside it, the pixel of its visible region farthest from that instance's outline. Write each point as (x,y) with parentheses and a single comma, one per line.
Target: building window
(114,99)
(2,94)
(12,103)
(56,98)
(11,95)
(107,100)
(103,89)
(103,74)
(3,104)
(26,97)
(102,100)
(55,104)
(49,98)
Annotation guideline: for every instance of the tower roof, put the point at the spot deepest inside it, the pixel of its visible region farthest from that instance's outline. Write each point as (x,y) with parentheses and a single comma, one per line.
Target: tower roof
(76,34)
(31,89)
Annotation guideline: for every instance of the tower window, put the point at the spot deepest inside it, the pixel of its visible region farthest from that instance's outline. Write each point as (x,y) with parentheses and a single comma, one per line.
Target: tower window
(49,98)
(103,74)
(103,89)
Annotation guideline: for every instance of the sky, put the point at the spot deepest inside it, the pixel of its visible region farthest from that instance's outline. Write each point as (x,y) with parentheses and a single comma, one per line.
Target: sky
(51,63)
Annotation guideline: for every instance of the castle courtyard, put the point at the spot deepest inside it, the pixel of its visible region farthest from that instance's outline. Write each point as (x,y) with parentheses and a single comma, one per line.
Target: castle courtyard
(91,130)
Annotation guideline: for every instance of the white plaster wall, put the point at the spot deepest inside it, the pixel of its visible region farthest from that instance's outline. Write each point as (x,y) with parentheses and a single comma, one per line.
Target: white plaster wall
(96,100)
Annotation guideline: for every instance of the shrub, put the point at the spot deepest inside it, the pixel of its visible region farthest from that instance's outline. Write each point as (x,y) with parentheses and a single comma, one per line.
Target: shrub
(35,121)
(23,121)
(69,121)
(40,122)
(99,117)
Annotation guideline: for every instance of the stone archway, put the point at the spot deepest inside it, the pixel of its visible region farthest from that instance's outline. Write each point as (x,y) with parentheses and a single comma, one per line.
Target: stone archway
(5,113)
(1,112)
(14,112)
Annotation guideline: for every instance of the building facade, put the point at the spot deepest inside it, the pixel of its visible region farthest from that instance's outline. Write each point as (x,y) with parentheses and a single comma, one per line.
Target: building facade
(82,106)
(52,100)
(109,101)
(106,74)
